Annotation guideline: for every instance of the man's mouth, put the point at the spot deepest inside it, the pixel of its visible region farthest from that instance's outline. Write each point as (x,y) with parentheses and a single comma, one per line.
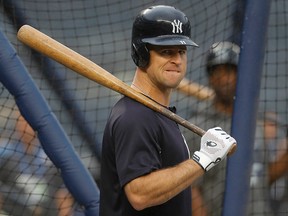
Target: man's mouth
(173,71)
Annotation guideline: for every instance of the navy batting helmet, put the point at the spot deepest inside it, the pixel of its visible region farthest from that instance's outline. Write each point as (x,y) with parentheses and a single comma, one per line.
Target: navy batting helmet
(224,52)
(158,25)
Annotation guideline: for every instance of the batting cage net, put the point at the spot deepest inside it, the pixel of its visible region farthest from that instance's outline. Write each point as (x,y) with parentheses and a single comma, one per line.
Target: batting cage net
(31,183)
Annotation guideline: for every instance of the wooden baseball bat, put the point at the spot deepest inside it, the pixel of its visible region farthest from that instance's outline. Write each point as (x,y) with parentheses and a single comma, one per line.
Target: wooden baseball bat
(83,66)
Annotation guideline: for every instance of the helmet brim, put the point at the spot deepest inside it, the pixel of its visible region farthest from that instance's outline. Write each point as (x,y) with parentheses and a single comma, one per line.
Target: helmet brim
(170,40)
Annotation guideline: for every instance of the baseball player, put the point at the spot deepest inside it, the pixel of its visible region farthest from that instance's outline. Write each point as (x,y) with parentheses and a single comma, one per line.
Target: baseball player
(147,168)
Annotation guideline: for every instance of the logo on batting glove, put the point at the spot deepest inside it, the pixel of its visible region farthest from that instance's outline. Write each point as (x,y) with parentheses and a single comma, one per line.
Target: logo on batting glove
(211,144)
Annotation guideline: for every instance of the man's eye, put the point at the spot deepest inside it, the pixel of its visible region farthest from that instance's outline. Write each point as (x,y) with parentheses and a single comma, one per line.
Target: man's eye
(169,52)
(166,52)
(182,52)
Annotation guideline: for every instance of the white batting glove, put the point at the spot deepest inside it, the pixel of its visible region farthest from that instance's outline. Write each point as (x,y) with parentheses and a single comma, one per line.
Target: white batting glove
(215,144)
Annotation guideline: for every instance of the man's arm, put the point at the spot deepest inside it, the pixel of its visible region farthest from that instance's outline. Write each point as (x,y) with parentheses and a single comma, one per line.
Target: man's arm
(278,168)
(160,186)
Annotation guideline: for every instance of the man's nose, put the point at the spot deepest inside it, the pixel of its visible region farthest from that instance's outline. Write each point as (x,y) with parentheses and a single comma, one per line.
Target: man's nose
(177,58)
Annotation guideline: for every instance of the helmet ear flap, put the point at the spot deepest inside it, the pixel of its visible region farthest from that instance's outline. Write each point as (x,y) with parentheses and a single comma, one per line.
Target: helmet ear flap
(140,54)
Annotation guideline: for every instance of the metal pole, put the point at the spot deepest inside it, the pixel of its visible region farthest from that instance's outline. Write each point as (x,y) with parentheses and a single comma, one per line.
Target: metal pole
(246,106)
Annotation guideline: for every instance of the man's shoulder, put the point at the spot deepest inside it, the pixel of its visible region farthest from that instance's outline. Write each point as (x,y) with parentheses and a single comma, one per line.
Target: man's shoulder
(129,110)
(130,106)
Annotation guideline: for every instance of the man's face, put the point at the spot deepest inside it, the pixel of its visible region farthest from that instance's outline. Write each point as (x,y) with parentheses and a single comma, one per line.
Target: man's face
(223,80)
(167,65)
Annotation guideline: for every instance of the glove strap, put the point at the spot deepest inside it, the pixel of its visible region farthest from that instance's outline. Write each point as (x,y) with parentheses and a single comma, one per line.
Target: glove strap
(204,161)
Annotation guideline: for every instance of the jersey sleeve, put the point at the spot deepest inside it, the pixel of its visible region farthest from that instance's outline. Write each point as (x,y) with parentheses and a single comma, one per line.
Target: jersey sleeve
(137,149)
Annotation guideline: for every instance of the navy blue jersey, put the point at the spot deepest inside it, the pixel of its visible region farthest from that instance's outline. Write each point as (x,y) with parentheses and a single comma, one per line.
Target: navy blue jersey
(137,141)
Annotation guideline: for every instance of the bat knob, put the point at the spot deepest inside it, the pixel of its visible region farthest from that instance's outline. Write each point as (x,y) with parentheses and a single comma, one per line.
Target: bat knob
(232,149)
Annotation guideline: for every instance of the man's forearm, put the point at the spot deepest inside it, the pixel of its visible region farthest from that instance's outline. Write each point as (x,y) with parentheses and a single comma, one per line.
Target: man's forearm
(160,186)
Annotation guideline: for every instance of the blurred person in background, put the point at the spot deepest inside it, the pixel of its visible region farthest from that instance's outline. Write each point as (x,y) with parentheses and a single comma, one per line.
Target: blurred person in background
(35,171)
(267,196)
(221,67)
(23,168)
(30,184)
(271,134)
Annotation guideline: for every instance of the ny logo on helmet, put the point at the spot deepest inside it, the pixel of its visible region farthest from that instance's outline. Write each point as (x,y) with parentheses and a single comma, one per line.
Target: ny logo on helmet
(177,26)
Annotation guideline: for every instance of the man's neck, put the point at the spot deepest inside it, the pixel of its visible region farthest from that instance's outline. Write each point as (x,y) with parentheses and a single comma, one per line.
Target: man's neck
(142,84)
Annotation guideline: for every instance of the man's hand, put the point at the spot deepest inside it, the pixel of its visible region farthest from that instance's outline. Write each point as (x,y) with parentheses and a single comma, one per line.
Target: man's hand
(215,144)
